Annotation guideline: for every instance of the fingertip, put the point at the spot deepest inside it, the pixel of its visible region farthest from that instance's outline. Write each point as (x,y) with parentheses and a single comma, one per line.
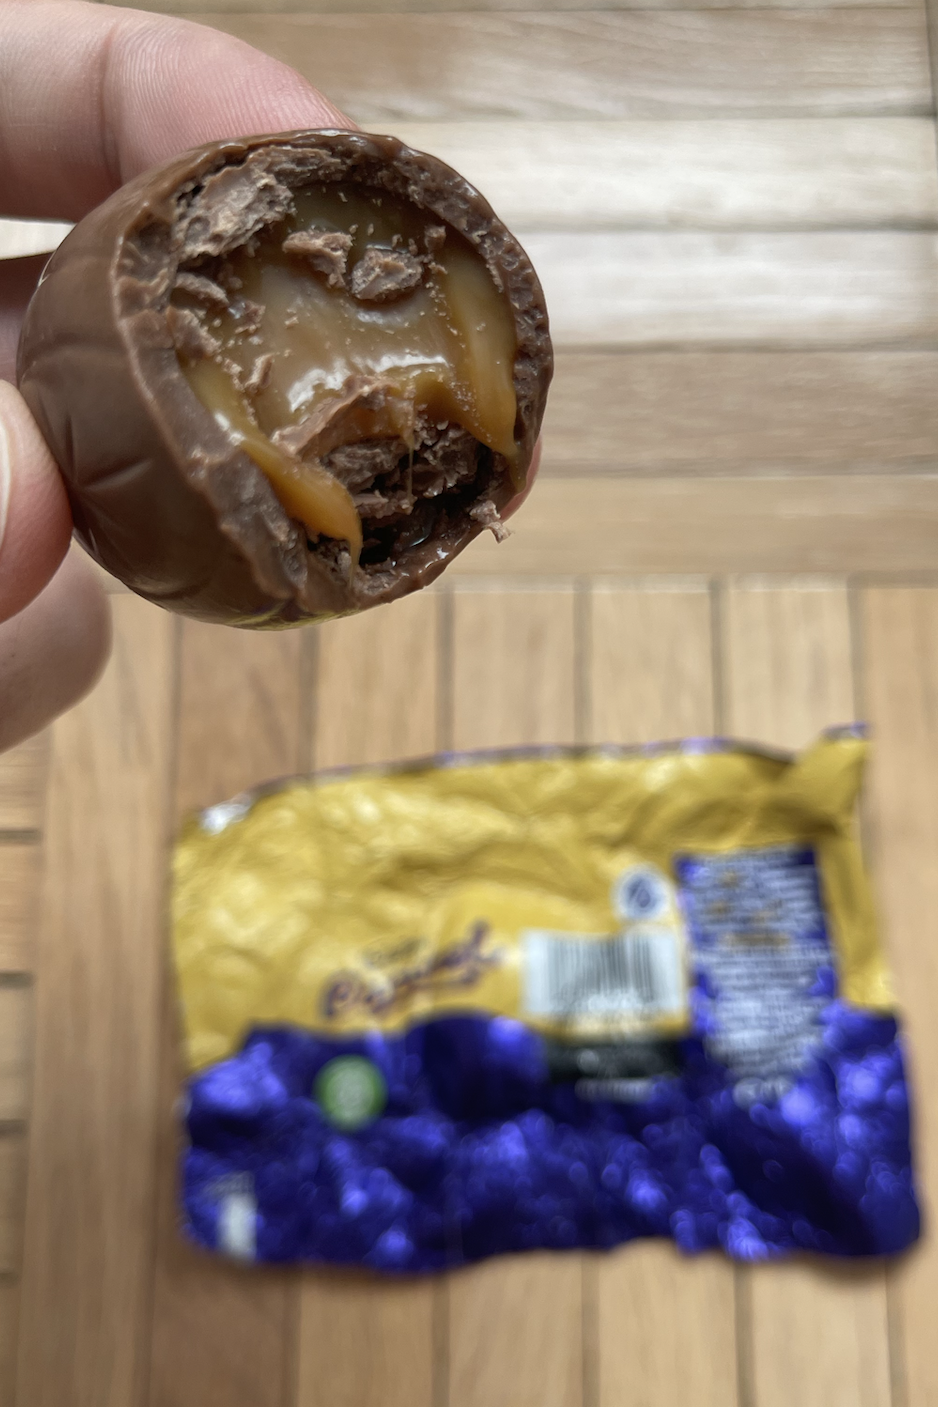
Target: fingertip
(52,653)
(35,519)
(157,104)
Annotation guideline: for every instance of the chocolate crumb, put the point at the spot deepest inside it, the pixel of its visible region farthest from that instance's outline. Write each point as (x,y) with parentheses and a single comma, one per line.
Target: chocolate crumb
(228,279)
(326,251)
(383,274)
(260,375)
(204,290)
(488,515)
(190,337)
(250,315)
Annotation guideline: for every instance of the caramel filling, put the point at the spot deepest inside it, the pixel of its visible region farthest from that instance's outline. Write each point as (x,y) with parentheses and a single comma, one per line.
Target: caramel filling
(348,321)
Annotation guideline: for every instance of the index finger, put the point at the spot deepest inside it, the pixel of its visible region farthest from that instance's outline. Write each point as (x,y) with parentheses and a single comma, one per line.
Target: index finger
(91,95)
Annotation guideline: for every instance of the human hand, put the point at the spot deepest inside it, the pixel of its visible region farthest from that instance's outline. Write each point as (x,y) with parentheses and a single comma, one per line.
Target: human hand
(90,96)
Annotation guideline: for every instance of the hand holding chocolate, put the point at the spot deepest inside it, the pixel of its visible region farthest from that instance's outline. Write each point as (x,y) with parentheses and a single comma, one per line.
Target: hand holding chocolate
(288,377)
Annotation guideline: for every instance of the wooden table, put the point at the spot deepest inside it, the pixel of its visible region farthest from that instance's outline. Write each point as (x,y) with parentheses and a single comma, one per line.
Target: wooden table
(735,213)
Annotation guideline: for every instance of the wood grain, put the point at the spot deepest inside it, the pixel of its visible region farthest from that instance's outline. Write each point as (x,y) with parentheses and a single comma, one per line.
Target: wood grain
(865,523)
(650,662)
(88,1240)
(9,1317)
(820,1336)
(12,1193)
(900,682)
(683,288)
(604,64)
(377,684)
(742,413)
(665,1332)
(788,674)
(794,173)
(788,664)
(16,1013)
(240,711)
(23,784)
(665,1328)
(515,1325)
(20,874)
(221,1333)
(503,642)
(362,1342)
(365,1344)
(515,1333)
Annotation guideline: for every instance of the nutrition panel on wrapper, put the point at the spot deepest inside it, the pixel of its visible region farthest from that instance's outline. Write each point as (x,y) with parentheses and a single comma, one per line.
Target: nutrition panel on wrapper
(762,959)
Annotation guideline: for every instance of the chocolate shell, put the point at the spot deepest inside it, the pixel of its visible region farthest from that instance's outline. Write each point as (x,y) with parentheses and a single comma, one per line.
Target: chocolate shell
(163,495)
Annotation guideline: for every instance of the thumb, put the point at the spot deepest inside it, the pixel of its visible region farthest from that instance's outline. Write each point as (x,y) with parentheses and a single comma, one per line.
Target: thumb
(35,522)
(54,617)
(52,652)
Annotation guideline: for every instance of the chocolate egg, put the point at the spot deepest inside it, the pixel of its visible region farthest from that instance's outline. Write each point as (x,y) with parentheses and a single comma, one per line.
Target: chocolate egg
(288,377)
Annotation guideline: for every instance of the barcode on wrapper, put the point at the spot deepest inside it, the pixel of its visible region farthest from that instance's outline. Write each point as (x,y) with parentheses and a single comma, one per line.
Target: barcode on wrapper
(634,975)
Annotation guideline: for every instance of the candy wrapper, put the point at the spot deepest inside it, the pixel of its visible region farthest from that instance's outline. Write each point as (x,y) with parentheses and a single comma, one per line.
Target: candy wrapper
(551,998)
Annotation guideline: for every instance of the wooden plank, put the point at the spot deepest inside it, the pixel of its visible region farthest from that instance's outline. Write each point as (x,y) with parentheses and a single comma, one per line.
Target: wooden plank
(818,1337)
(16,1017)
(222,1333)
(665,1325)
(603,64)
(20,866)
(19,238)
(682,288)
(240,711)
(370,1343)
(788,668)
(650,662)
(513,667)
(665,1329)
(377,684)
(789,173)
(865,523)
(12,1193)
(88,1239)
(515,1335)
(23,784)
(900,682)
(725,412)
(365,1344)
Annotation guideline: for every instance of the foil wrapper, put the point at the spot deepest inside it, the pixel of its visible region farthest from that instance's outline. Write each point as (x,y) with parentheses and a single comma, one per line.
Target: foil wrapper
(559,998)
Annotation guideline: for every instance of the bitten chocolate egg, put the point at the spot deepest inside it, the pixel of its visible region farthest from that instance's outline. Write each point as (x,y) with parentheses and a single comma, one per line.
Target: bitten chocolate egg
(288,377)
